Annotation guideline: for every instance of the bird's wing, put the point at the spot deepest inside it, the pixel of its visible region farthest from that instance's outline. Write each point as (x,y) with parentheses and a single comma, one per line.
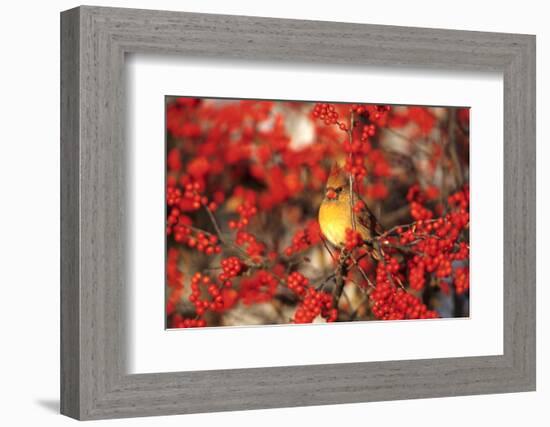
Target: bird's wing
(367,219)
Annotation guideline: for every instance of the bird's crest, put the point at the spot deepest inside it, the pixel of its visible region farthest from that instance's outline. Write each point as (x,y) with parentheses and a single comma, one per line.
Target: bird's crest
(338,176)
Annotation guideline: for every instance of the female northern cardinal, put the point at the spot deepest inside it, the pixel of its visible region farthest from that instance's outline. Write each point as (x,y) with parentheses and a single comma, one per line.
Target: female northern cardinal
(335,213)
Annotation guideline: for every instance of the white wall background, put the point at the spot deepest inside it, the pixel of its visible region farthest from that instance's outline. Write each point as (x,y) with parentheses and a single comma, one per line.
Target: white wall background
(29,212)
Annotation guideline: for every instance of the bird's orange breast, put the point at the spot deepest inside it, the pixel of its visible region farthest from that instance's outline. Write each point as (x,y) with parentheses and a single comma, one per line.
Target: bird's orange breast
(335,219)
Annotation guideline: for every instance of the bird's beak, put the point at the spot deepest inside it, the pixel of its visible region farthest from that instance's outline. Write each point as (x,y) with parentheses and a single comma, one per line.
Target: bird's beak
(331,194)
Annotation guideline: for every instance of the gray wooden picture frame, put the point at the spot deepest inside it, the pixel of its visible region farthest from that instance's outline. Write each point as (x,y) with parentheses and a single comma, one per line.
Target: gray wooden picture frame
(94,41)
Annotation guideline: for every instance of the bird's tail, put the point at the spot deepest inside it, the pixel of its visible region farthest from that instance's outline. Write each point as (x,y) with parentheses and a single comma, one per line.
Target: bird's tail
(373,249)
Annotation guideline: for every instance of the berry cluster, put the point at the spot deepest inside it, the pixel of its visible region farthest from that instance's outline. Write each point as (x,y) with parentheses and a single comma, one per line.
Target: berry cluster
(419,212)
(174,277)
(358,153)
(231,267)
(179,227)
(315,304)
(368,131)
(460,200)
(182,322)
(416,198)
(297,283)
(370,111)
(179,223)
(378,111)
(392,303)
(328,114)
(206,243)
(174,280)
(312,303)
(254,248)
(353,239)
(260,287)
(173,195)
(187,199)
(435,243)
(461,280)
(304,239)
(245,211)
(215,303)
(362,158)
(417,274)
(177,118)
(359,108)
(391,265)
(355,162)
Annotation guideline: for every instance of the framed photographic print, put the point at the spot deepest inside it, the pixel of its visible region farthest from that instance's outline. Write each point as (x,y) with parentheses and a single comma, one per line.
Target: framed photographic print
(289,211)
(347,211)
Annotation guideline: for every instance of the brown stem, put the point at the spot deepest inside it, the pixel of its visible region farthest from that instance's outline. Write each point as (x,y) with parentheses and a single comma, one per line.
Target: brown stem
(339,288)
(383,260)
(356,263)
(325,244)
(221,236)
(325,281)
(350,174)
(341,273)
(214,223)
(452,148)
(396,227)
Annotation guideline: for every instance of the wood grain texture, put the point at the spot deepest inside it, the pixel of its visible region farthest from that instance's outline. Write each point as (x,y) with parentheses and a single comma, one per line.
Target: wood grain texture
(94,382)
(70,291)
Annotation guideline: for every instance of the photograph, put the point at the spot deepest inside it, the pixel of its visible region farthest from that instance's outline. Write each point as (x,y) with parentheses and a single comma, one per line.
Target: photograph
(297,212)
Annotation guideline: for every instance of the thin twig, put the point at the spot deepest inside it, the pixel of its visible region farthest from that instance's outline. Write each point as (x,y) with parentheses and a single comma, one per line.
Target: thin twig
(453,151)
(337,293)
(341,273)
(325,281)
(397,227)
(328,249)
(214,222)
(221,236)
(356,263)
(350,174)
(383,259)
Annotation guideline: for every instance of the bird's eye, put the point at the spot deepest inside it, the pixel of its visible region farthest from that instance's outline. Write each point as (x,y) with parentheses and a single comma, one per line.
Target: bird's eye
(338,189)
